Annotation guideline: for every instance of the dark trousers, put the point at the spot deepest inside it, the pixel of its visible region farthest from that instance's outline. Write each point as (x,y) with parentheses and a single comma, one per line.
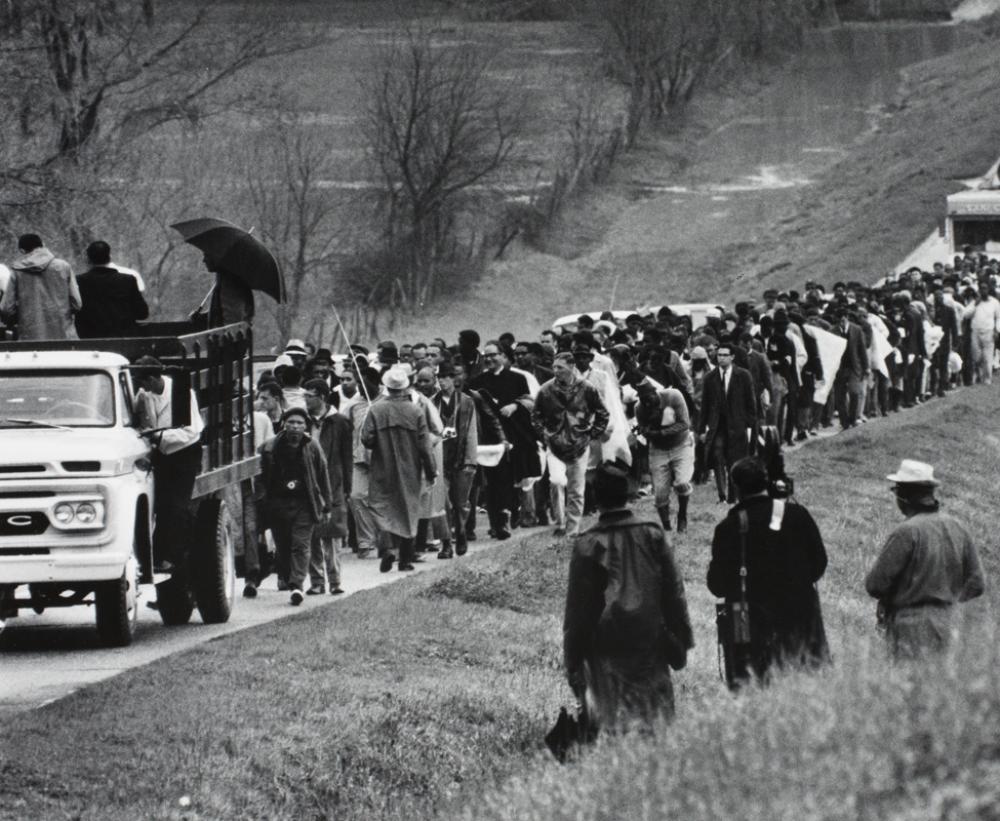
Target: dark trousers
(500,494)
(174,476)
(848,391)
(402,546)
(723,482)
(458,485)
(940,377)
(292,525)
(913,379)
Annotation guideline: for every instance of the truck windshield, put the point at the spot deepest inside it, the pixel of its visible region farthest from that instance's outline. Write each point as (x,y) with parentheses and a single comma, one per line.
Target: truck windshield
(81,399)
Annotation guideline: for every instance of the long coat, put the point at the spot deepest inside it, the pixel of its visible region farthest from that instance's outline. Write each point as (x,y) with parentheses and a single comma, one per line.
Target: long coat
(395,431)
(41,297)
(729,414)
(626,621)
(783,566)
(335,437)
(461,450)
(504,388)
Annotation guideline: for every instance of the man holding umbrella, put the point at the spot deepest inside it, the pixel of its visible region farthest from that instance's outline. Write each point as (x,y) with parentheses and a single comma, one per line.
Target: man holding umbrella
(241,264)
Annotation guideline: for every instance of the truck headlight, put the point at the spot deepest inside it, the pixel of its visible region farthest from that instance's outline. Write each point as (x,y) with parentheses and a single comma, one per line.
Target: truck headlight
(64,513)
(86,513)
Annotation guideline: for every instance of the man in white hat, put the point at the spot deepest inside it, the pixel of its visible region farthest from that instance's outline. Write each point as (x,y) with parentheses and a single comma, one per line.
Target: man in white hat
(928,565)
(395,431)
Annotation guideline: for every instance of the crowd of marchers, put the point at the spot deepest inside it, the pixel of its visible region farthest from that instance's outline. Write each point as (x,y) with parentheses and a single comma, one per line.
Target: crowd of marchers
(402,450)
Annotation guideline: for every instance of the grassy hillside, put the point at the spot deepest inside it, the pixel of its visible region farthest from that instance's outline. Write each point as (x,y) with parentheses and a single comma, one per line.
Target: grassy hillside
(418,699)
(867,207)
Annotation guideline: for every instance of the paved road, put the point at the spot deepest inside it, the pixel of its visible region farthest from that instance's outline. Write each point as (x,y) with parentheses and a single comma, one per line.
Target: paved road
(47,657)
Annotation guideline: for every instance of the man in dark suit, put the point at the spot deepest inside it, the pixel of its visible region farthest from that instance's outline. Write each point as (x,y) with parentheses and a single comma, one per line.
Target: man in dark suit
(728,417)
(947,318)
(111,300)
(849,384)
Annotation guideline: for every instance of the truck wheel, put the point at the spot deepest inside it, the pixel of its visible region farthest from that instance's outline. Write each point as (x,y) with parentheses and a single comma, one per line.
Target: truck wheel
(117,608)
(174,601)
(214,562)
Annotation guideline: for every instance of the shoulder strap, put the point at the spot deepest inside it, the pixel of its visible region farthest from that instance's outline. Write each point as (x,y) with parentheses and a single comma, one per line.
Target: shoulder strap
(744,526)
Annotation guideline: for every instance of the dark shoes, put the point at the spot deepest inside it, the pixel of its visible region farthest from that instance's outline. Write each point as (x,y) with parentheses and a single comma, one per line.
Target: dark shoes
(296,598)
(385,565)
(502,530)
(336,591)
(406,567)
(559,532)
(249,591)
(316,590)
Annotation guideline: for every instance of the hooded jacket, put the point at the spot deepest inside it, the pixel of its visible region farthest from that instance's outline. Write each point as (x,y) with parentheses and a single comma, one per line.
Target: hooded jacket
(42,297)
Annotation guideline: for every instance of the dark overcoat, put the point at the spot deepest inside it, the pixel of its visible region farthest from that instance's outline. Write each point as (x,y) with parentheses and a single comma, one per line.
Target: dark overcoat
(783,566)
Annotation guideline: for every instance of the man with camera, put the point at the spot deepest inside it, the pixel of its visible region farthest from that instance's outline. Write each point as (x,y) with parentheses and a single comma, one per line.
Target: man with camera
(767,555)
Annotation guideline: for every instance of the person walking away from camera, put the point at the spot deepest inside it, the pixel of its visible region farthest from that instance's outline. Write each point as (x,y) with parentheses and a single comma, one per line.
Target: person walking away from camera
(332,432)
(395,431)
(663,420)
(297,494)
(784,557)
(626,620)
(927,566)
(176,461)
(42,295)
(728,418)
(459,447)
(112,304)
(568,416)
(984,324)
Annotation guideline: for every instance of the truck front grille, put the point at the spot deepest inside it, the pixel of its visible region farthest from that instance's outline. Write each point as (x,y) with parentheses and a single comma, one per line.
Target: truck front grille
(14,523)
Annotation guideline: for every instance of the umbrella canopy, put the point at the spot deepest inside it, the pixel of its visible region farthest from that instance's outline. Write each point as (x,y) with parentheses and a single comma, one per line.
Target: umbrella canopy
(237,252)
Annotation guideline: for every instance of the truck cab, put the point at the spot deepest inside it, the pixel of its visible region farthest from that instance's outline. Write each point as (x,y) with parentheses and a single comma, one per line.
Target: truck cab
(77,488)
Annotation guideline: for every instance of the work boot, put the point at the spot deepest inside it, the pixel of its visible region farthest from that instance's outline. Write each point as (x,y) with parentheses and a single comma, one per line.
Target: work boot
(503,525)
(682,513)
(445,551)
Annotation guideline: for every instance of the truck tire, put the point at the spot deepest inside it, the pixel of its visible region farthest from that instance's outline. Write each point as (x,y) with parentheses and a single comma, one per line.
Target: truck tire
(117,607)
(173,600)
(213,562)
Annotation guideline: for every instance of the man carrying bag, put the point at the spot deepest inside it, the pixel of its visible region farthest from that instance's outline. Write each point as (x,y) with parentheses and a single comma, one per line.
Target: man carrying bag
(767,556)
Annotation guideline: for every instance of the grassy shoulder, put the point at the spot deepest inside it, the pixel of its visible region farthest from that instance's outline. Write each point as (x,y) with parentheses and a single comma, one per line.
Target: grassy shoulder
(420,698)
(861,740)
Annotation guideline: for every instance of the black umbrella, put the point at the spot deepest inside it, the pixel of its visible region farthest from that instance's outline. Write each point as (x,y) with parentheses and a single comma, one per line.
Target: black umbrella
(237,252)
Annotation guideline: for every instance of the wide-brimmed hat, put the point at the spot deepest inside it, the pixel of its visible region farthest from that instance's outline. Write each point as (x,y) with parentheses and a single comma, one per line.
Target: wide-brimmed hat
(396,379)
(283,361)
(912,472)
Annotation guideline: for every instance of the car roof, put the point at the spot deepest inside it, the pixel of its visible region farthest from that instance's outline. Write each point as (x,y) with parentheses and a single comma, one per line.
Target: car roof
(50,360)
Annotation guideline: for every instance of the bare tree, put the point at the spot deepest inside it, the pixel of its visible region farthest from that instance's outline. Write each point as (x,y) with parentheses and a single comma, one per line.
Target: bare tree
(296,214)
(439,130)
(662,51)
(86,77)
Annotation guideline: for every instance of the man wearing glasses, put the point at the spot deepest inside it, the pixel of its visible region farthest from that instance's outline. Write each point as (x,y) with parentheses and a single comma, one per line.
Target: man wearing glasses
(729,415)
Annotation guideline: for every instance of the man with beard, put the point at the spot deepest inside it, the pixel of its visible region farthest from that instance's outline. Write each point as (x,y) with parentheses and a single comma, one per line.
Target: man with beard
(459,445)
(509,394)
(296,486)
